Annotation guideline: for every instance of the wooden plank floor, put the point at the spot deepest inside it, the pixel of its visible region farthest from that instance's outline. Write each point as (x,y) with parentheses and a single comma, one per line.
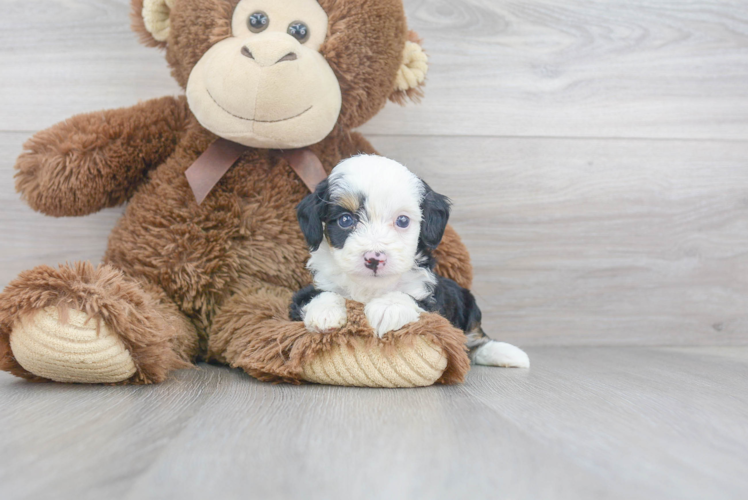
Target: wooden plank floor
(597,154)
(582,423)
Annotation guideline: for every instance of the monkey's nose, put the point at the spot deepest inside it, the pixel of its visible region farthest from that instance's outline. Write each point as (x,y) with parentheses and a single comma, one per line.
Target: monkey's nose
(291,56)
(268,49)
(375,260)
(247,53)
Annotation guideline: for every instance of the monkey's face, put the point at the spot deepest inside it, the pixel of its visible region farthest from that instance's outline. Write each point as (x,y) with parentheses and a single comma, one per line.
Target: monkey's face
(285,73)
(267,85)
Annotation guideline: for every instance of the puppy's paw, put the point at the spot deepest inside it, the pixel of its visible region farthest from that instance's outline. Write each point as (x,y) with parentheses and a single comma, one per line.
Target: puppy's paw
(325,313)
(391,312)
(501,354)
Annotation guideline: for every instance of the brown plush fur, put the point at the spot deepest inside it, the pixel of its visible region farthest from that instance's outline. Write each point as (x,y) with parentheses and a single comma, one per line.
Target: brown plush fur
(155,333)
(214,280)
(97,160)
(452,259)
(253,333)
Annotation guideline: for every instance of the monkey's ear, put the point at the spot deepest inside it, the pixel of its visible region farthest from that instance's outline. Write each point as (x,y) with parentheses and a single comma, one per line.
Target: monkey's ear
(310,213)
(150,20)
(411,77)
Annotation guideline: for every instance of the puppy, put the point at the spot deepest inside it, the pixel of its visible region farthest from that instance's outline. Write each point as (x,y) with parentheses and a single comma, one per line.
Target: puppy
(372,226)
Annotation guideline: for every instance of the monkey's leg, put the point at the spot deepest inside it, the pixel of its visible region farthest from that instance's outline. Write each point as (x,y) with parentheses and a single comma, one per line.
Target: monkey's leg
(252,332)
(84,324)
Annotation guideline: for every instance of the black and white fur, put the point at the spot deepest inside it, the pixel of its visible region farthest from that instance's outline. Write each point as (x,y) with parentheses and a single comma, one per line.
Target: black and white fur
(371,228)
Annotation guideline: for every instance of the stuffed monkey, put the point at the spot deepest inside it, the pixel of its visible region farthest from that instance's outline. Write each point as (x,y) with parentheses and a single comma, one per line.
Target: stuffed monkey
(204,268)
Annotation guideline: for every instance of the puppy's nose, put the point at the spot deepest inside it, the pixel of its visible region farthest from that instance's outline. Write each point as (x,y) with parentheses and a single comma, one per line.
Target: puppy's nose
(375,260)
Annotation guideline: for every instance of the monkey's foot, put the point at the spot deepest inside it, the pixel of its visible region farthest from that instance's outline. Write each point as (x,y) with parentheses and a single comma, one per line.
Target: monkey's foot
(71,348)
(416,364)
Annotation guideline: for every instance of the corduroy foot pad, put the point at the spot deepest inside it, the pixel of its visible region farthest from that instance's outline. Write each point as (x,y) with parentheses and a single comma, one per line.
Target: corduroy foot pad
(418,363)
(75,350)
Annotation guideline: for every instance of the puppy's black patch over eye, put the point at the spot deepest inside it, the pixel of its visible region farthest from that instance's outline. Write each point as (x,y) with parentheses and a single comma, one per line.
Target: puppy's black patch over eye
(299,31)
(258,22)
(346,221)
(403,221)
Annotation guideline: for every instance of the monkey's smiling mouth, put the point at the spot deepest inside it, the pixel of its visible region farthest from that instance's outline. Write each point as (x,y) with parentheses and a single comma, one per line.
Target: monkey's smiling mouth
(253,119)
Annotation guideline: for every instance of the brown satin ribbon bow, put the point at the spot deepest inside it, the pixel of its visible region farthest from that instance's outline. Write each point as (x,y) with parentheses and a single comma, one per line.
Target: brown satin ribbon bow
(213,164)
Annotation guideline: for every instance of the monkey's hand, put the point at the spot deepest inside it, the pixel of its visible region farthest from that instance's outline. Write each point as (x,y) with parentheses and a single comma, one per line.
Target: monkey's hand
(97,160)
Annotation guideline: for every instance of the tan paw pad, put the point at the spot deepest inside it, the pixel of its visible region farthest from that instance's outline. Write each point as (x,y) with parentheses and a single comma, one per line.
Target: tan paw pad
(414,365)
(75,350)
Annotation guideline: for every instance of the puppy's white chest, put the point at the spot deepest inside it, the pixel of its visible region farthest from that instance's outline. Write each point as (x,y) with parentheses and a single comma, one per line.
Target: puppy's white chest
(417,283)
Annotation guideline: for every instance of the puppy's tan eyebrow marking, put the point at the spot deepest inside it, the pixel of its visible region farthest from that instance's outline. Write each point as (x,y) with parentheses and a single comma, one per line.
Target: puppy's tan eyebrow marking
(350,202)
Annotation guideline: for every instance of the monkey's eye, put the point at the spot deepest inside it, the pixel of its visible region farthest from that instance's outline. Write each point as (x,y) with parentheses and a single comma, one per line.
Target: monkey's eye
(299,31)
(258,22)
(403,221)
(346,221)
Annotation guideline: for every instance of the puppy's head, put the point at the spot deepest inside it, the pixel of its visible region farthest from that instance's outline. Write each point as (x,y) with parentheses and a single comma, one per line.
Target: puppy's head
(371,218)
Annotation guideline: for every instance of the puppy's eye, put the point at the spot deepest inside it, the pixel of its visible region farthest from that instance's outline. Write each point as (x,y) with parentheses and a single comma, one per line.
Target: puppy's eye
(299,31)
(403,221)
(258,22)
(346,221)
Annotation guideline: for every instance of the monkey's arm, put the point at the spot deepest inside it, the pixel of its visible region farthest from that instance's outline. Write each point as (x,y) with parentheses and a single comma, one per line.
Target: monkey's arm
(452,256)
(252,331)
(97,160)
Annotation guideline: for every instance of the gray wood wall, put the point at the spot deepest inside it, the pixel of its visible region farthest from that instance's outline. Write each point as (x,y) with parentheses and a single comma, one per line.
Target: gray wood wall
(596,153)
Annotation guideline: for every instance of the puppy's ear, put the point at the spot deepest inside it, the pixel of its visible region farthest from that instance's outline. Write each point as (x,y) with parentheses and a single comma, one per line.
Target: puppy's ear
(310,214)
(435,211)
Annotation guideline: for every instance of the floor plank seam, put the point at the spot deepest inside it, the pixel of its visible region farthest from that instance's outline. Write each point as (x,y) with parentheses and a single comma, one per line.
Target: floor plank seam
(559,137)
